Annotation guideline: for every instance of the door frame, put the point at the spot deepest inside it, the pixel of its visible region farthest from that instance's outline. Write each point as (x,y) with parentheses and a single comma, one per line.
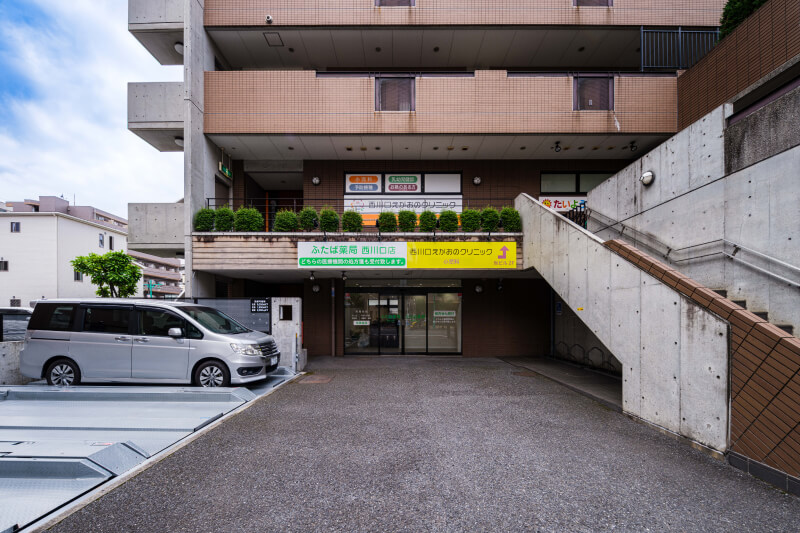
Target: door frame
(402,292)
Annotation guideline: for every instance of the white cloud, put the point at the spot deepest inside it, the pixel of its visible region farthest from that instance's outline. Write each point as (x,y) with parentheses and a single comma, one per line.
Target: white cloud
(71,136)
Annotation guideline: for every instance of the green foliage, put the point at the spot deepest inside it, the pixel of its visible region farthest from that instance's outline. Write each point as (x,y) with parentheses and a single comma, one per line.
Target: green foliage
(285,220)
(387,222)
(114,273)
(489,219)
(734,13)
(328,220)
(470,220)
(223,219)
(512,222)
(427,221)
(448,221)
(248,219)
(306,218)
(407,220)
(204,220)
(352,221)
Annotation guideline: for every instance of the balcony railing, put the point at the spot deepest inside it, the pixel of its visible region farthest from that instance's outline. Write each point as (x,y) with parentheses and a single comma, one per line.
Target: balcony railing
(675,49)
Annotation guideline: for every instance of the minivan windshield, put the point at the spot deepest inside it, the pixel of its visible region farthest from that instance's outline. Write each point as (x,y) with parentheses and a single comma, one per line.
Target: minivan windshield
(213,320)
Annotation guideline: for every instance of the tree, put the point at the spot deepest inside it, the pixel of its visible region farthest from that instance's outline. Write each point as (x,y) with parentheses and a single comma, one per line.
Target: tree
(734,13)
(114,273)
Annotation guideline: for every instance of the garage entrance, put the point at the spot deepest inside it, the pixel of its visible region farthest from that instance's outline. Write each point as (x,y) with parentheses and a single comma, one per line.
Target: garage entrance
(402,320)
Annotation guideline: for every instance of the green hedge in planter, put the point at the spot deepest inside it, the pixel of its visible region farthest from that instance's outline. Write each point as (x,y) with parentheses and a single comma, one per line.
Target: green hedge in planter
(328,220)
(407,220)
(204,220)
(248,219)
(387,222)
(352,221)
(285,220)
(470,220)
(306,218)
(512,222)
(489,219)
(448,221)
(223,219)
(427,221)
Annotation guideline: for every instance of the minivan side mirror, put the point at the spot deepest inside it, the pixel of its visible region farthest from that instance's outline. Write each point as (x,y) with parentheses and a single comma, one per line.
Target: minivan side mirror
(175,332)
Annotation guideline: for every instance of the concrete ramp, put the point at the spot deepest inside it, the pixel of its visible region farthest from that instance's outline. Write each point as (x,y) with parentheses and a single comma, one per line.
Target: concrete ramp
(674,352)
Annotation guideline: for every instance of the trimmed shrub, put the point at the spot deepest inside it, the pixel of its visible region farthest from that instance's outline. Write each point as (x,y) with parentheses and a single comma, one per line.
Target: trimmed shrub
(407,220)
(470,220)
(285,220)
(223,219)
(427,221)
(306,218)
(352,221)
(448,221)
(489,219)
(734,13)
(387,222)
(248,219)
(511,220)
(204,220)
(328,220)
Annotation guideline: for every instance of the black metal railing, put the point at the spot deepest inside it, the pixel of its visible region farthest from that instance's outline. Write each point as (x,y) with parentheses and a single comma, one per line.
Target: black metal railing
(579,215)
(675,48)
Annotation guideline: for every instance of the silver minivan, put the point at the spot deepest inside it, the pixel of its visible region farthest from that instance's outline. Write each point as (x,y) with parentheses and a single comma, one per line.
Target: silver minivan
(72,341)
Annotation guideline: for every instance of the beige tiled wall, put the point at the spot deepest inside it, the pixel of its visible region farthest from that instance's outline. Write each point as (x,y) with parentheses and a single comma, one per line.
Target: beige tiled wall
(299,102)
(447,12)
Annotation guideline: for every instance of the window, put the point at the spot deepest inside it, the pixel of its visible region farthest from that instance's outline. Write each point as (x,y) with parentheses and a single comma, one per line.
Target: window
(101,239)
(590,181)
(157,322)
(395,3)
(105,319)
(558,182)
(3,266)
(593,3)
(572,182)
(78,276)
(110,242)
(15,227)
(593,93)
(394,94)
(52,317)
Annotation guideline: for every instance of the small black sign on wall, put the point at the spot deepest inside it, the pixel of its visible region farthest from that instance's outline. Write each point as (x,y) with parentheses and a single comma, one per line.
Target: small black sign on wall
(259,305)
(284,312)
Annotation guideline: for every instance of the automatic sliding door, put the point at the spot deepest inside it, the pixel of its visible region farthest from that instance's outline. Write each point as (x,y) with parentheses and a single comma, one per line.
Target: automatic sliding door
(391,341)
(415,324)
(361,311)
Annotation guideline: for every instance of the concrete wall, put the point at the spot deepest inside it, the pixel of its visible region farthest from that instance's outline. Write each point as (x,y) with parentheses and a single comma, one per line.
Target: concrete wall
(157,228)
(573,341)
(674,353)
(152,104)
(9,364)
(155,11)
(693,202)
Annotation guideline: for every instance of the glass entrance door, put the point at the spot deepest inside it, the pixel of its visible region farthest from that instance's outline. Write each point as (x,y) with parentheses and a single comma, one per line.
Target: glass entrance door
(391,340)
(415,323)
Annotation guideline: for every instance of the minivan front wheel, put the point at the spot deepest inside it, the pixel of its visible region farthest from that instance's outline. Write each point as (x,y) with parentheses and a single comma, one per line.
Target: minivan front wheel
(212,374)
(63,372)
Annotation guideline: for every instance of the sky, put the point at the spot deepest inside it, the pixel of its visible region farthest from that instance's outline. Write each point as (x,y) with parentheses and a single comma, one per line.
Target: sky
(64,70)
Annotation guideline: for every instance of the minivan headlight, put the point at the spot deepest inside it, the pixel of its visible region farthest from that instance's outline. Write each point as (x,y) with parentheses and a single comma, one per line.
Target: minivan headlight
(246,349)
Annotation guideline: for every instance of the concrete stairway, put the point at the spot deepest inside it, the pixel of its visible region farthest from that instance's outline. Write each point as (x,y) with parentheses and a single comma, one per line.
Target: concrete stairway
(788,328)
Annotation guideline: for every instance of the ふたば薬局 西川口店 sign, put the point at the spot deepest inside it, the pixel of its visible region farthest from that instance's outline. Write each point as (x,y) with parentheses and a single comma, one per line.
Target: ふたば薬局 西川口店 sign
(404,255)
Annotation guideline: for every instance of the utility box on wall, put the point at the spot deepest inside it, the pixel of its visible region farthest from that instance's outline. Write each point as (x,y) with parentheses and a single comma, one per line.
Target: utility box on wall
(286,314)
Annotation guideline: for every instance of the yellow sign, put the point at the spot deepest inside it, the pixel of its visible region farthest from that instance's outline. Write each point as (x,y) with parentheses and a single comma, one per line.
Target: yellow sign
(482,255)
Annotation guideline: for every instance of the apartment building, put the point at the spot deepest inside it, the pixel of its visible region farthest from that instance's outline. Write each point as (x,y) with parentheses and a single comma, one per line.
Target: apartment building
(40,238)
(161,277)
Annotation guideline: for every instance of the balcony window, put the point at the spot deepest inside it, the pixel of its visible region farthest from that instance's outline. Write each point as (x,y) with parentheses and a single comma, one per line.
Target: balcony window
(593,93)
(394,94)
(78,276)
(395,3)
(101,240)
(15,227)
(110,242)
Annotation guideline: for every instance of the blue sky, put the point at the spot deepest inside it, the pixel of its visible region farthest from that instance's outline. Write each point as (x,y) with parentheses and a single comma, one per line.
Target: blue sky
(64,70)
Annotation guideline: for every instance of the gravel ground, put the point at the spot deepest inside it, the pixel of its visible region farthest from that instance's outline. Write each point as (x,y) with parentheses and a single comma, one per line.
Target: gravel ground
(435,444)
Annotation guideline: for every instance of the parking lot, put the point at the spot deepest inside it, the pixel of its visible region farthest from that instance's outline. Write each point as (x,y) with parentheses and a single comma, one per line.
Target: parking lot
(435,444)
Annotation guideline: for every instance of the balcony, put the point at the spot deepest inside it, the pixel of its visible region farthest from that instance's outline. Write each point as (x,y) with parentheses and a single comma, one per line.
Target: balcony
(155,113)
(156,228)
(158,25)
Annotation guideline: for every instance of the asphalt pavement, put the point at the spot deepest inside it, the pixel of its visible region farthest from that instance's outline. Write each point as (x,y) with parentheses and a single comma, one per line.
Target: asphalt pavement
(435,444)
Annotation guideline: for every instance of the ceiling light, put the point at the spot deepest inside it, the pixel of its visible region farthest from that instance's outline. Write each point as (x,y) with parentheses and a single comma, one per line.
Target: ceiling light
(581,49)
(523,147)
(363,148)
(178,47)
(435,147)
(435,48)
(291,148)
(377,48)
(557,147)
(580,147)
(178,141)
(291,50)
(377,147)
(344,276)
(451,148)
(311,277)
(634,146)
(348,148)
(464,148)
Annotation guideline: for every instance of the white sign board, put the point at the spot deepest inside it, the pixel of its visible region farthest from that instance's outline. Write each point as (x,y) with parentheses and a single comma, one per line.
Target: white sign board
(403,183)
(442,183)
(363,183)
(373,205)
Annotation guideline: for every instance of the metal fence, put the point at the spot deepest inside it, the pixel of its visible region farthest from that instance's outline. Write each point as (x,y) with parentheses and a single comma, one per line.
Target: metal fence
(675,49)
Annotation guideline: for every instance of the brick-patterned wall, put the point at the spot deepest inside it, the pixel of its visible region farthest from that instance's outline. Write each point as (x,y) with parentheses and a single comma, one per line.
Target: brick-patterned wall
(764,365)
(299,102)
(501,180)
(462,12)
(763,42)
